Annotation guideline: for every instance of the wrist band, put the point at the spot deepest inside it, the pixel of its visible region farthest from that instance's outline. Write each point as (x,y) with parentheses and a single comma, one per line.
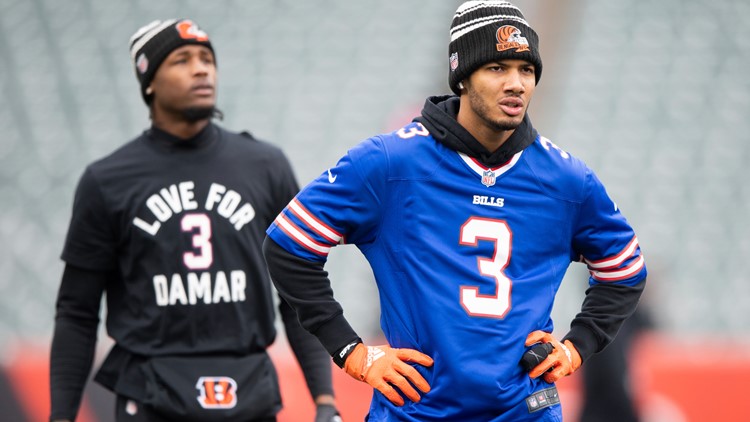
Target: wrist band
(340,356)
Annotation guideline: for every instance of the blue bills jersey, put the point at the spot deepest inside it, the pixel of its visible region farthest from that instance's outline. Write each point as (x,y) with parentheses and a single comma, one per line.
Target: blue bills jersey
(467,259)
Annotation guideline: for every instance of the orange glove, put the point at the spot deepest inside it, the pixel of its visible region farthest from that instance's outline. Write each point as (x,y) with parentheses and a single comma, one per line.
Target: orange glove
(563,360)
(383,368)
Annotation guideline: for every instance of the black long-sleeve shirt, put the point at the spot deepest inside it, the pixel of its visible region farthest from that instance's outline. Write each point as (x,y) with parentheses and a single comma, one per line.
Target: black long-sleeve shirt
(170,232)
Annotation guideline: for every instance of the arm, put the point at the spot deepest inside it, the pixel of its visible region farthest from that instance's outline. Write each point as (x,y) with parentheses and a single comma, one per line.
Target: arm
(605,241)
(305,286)
(314,361)
(312,357)
(341,206)
(604,309)
(74,338)
(322,216)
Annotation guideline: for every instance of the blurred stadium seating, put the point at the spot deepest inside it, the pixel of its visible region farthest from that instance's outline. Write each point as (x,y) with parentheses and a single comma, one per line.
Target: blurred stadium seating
(653,95)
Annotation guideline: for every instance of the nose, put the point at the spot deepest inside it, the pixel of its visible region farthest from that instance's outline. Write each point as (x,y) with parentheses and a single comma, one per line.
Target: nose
(200,67)
(514,82)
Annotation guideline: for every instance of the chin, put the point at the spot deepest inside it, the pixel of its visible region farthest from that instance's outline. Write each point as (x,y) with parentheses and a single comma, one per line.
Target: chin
(508,124)
(203,103)
(196,113)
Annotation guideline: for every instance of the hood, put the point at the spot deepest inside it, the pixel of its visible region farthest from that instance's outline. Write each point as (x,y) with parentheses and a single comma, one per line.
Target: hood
(439,117)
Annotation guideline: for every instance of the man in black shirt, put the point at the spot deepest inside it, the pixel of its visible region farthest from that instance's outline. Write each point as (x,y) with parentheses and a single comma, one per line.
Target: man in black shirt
(170,226)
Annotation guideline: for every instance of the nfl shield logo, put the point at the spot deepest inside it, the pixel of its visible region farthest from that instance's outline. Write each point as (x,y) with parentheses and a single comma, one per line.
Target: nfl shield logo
(142,63)
(454,61)
(488,178)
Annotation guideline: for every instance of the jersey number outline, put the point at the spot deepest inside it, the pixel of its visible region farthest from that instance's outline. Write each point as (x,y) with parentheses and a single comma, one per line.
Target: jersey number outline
(417,129)
(201,241)
(498,232)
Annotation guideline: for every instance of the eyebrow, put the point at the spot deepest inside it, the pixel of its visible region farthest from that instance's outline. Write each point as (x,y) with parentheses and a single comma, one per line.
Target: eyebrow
(181,53)
(204,50)
(504,62)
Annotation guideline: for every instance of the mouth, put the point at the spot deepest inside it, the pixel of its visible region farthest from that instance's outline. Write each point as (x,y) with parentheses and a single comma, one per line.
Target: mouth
(512,106)
(203,89)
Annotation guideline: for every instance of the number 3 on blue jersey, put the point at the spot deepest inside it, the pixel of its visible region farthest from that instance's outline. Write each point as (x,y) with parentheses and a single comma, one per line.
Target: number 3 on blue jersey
(413,131)
(497,231)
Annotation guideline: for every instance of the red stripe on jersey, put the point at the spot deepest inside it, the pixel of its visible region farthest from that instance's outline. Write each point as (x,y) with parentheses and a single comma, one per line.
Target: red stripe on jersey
(631,270)
(300,237)
(314,223)
(617,260)
(490,168)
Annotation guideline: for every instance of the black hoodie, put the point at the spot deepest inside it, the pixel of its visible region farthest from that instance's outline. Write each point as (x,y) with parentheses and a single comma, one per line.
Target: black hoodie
(439,117)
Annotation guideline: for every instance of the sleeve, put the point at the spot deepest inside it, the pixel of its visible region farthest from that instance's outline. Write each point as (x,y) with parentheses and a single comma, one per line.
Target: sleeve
(305,286)
(91,240)
(340,206)
(74,338)
(284,183)
(604,240)
(312,357)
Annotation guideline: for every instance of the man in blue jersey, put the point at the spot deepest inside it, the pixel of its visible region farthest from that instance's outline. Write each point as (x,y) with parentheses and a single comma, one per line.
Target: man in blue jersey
(170,227)
(469,219)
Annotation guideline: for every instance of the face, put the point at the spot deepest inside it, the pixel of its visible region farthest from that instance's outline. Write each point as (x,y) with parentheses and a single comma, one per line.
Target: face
(498,94)
(185,81)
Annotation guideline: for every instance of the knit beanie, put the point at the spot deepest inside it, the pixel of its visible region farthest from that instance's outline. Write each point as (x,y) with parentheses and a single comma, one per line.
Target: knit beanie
(486,31)
(152,43)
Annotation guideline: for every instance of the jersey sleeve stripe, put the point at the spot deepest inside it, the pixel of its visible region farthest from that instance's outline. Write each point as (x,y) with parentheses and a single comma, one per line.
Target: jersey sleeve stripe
(313,223)
(300,237)
(625,273)
(617,260)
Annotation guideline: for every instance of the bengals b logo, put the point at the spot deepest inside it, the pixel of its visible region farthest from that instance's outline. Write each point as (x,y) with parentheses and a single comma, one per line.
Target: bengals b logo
(217,392)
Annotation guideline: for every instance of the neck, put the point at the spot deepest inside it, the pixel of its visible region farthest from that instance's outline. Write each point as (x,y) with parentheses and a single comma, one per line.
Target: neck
(180,128)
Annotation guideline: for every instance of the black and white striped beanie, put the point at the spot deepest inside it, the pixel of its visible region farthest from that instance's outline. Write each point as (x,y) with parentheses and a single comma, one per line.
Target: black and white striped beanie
(484,31)
(152,43)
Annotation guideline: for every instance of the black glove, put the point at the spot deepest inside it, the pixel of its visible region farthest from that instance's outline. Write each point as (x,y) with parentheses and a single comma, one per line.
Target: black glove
(327,413)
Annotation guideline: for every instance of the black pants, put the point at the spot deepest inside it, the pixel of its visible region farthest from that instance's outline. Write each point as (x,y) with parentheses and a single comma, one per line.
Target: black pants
(128,410)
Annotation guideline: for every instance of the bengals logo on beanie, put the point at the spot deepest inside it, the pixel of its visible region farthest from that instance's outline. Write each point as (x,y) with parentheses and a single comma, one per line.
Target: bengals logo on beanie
(152,43)
(486,31)
(508,36)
